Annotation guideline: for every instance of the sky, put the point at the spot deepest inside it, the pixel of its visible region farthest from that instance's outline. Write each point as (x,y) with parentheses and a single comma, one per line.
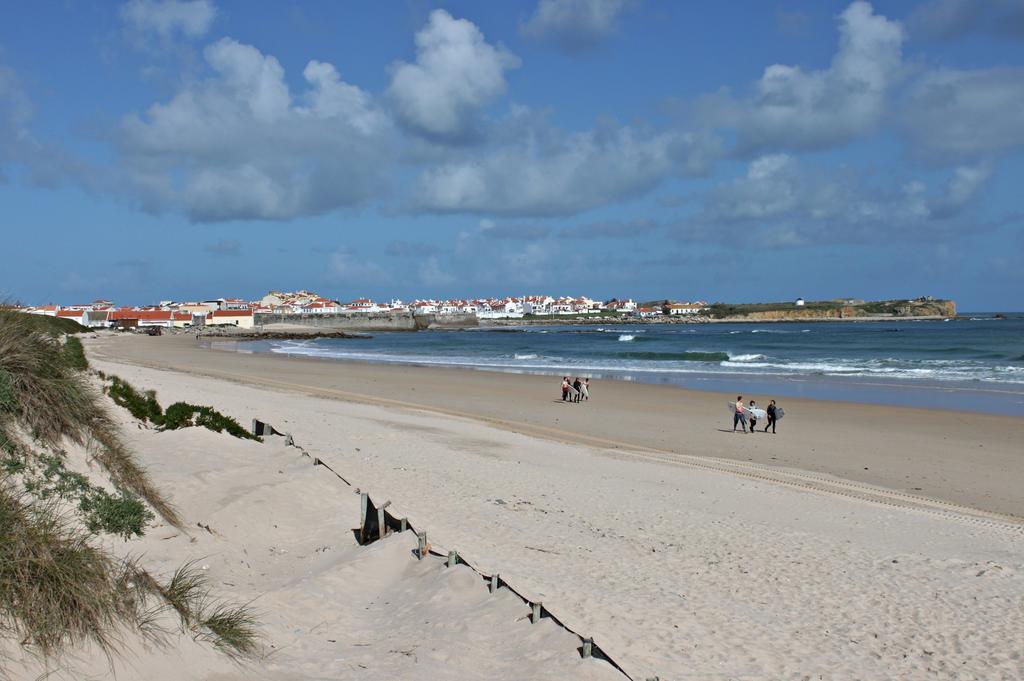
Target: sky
(739,152)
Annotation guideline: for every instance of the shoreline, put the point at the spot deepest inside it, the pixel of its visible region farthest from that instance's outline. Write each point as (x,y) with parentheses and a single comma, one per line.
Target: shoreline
(956,457)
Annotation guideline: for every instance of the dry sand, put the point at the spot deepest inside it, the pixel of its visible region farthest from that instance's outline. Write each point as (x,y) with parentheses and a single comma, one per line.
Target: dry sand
(682,555)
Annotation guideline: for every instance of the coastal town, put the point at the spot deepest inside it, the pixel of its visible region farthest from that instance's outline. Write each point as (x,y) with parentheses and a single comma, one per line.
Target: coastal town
(245,314)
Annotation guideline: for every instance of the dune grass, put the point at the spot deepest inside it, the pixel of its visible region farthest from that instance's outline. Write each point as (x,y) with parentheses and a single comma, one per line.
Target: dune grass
(43,392)
(143,405)
(56,590)
(229,627)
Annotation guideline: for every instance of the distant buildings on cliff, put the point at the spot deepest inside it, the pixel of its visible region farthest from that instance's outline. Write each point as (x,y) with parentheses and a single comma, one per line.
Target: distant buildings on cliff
(242,313)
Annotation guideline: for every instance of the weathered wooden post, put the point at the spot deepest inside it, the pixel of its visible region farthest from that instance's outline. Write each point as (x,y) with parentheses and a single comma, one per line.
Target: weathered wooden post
(316,461)
(364,501)
(404,523)
(535,612)
(453,559)
(421,538)
(289,441)
(494,582)
(588,647)
(255,427)
(381,526)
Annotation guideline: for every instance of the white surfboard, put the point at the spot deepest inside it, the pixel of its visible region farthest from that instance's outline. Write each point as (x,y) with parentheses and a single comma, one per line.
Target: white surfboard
(757,413)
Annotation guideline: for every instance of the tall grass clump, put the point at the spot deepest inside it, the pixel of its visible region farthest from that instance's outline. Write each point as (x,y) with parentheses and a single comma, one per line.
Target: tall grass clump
(56,590)
(231,628)
(52,400)
(74,354)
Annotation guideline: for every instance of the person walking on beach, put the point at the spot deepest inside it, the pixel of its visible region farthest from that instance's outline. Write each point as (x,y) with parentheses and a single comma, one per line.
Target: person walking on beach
(771,417)
(586,389)
(753,417)
(739,417)
(565,388)
(577,387)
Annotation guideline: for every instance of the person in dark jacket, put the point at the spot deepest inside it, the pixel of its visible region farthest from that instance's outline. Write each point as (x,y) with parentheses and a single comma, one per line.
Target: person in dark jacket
(577,386)
(771,417)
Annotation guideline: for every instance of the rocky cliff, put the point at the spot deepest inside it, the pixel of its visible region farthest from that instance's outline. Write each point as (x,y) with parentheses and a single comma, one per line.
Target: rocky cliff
(889,309)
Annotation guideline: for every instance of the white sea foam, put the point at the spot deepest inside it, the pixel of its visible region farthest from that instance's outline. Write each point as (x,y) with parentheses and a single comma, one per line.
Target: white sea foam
(626,337)
(745,358)
(528,355)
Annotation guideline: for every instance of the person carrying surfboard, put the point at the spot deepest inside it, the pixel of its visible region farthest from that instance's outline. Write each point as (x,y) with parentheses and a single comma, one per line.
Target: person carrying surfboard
(739,416)
(753,416)
(771,417)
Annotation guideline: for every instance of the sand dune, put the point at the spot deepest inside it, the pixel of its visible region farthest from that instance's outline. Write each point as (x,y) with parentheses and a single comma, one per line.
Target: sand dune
(675,570)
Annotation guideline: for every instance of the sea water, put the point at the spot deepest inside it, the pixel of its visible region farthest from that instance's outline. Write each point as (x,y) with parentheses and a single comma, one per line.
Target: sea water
(975,362)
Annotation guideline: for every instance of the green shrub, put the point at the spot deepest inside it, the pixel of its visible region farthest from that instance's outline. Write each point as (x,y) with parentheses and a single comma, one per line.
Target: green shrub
(184,415)
(142,405)
(124,515)
(74,354)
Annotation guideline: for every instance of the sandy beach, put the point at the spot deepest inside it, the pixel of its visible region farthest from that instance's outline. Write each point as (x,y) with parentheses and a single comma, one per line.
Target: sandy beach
(686,553)
(965,459)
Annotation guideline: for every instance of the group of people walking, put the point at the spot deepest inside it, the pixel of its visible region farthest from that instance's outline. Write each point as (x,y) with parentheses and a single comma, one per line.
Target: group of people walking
(740,416)
(576,390)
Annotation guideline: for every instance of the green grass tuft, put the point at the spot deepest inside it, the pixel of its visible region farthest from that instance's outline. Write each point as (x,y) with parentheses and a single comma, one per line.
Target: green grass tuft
(232,630)
(184,415)
(141,405)
(74,354)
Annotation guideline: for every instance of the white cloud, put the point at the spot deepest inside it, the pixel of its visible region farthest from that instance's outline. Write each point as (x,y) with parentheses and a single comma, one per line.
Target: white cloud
(952,114)
(575,25)
(952,19)
(456,74)
(796,109)
(539,171)
(239,145)
(805,204)
(165,18)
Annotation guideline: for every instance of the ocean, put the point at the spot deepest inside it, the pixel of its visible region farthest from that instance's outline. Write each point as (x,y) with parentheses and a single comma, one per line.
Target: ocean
(972,363)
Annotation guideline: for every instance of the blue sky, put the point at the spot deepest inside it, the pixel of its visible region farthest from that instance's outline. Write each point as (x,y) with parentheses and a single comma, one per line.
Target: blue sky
(732,151)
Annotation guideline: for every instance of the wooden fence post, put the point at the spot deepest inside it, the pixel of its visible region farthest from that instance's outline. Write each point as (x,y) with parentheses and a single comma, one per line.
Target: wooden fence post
(588,647)
(421,538)
(381,527)
(364,500)
(453,559)
(494,582)
(535,612)
(404,522)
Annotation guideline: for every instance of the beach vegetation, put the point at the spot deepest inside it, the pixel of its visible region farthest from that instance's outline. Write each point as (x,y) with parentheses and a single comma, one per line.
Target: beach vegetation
(184,415)
(57,591)
(144,406)
(231,628)
(51,401)
(74,354)
(141,404)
